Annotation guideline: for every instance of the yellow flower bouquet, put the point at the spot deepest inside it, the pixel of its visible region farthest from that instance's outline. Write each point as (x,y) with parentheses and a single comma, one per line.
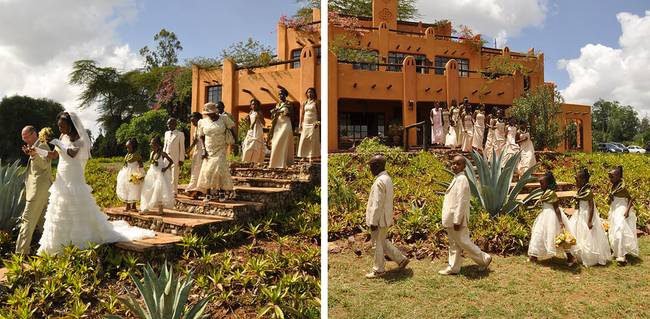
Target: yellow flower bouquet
(136,178)
(605,225)
(45,135)
(565,240)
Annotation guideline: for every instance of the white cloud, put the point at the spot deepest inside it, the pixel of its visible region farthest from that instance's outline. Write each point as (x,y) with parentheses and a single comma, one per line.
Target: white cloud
(498,19)
(621,74)
(40,39)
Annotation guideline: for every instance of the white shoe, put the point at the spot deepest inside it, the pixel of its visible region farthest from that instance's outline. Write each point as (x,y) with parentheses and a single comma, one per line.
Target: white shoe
(375,274)
(447,271)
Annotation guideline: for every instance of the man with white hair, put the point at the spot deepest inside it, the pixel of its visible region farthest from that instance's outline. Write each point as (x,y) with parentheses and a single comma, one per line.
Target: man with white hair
(37,184)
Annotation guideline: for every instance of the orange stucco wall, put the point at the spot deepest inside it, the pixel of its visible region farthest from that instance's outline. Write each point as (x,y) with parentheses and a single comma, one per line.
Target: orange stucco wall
(239,86)
(384,33)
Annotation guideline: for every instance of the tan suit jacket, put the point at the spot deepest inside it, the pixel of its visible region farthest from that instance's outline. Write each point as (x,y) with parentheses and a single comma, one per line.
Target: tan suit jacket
(379,211)
(39,174)
(455,206)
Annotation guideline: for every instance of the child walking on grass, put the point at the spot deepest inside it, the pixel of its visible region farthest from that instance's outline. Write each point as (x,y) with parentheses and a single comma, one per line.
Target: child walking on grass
(622,218)
(157,191)
(592,246)
(549,224)
(130,177)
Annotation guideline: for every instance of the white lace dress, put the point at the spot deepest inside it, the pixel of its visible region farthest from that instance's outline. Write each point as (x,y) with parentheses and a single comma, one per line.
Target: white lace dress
(545,228)
(622,231)
(73,217)
(157,188)
(592,245)
(127,191)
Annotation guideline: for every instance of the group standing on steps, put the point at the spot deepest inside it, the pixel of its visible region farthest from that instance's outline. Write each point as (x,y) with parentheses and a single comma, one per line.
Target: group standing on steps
(467,128)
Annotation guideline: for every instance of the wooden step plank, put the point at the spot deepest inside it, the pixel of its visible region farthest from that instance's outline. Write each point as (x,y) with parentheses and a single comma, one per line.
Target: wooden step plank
(171,217)
(161,241)
(267,190)
(228,204)
(536,185)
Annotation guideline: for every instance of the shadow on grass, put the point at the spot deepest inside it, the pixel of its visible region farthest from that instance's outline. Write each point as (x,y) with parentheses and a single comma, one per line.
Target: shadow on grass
(560,265)
(474,272)
(633,261)
(397,275)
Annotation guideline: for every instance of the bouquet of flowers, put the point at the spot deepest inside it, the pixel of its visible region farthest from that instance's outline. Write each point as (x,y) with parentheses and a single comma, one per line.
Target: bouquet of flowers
(45,135)
(605,225)
(565,240)
(136,178)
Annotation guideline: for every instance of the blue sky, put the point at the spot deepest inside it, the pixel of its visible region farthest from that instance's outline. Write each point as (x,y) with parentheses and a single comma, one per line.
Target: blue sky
(205,28)
(570,25)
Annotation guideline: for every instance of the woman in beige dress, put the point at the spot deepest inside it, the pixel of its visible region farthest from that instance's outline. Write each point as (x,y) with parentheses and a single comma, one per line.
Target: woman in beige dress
(511,143)
(500,133)
(468,130)
(458,123)
(215,171)
(253,146)
(309,146)
(527,150)
(479,129)
(282,130)
(490,142)
(445,124)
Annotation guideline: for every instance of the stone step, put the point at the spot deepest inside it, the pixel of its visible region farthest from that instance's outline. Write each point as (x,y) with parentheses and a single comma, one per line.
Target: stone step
(234,209)
(264,182)
(162,242)
(272,197)
(561,186)
(171,221)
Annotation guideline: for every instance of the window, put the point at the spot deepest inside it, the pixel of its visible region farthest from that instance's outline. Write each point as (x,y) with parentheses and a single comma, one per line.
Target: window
(295,54)
(526,83)
(317,49)
(398,58)
(463,65)
(355,126)
(213,93)
(381,128)
(370,66)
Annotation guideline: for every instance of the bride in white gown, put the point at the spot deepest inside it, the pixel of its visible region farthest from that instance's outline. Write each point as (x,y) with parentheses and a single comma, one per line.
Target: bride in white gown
(72,216)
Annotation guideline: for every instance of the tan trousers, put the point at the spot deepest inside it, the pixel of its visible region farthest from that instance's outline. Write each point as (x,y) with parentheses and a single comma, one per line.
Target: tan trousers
(31,219)
(384,246)
(459,241)
(176,171)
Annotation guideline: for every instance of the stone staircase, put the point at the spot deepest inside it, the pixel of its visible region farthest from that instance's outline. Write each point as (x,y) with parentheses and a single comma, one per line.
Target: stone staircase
(258,189)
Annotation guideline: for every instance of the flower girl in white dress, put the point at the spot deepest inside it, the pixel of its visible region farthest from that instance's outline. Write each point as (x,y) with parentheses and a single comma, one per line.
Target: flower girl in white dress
(550,222)
(130,177)
(72,216)
(157,191)
(622,219)
(591,238)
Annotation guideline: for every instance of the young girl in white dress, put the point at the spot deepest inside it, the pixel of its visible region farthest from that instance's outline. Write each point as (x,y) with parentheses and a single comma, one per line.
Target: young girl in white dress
(550,222)
(592,246)
(622,218)
(450,138)
(157,191)
(130,177)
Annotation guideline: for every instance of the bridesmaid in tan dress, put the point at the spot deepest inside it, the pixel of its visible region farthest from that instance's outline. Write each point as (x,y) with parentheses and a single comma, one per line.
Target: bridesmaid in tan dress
(282,141)
(468,130)
(490,143)
(458,126)
(500,133)
(527,149)
(309,146)
(253,147)
(479,129)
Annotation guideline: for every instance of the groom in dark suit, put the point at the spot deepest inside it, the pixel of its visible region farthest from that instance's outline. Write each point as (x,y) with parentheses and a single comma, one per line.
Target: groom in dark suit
(37,184)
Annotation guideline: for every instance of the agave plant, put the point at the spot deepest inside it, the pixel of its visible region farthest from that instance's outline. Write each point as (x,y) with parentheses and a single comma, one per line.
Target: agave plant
(492,185)
(164,296)
(12,194)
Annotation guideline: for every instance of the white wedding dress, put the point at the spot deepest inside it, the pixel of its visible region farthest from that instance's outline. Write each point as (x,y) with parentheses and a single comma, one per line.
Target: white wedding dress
(72,216)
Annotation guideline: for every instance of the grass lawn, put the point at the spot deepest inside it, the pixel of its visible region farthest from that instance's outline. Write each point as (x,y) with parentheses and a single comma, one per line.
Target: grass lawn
(513,288)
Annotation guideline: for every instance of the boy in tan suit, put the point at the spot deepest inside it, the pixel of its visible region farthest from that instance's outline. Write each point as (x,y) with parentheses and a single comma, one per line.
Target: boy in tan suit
(175,148)
(379,216)
(455,214)
(37,184)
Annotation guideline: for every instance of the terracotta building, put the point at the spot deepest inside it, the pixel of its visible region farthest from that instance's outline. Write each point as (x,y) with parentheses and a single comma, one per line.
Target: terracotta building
(296,68)
(416,65)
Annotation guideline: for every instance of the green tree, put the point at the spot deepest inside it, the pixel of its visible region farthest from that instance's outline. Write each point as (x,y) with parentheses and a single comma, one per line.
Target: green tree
(144,127)
(613,122)
(166,52)
(18,111)
(248,53)
(406,9)
(539,108)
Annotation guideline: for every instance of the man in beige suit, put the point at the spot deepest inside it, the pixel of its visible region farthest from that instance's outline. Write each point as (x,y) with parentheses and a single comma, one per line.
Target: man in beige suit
(379,216)
(175,148)
(455,214)
(37,184)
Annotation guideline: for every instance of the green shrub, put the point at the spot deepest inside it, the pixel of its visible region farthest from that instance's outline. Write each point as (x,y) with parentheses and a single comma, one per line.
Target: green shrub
(12,194)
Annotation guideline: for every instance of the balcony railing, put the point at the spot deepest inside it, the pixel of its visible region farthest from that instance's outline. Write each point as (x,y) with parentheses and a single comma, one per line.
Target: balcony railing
(273,63)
